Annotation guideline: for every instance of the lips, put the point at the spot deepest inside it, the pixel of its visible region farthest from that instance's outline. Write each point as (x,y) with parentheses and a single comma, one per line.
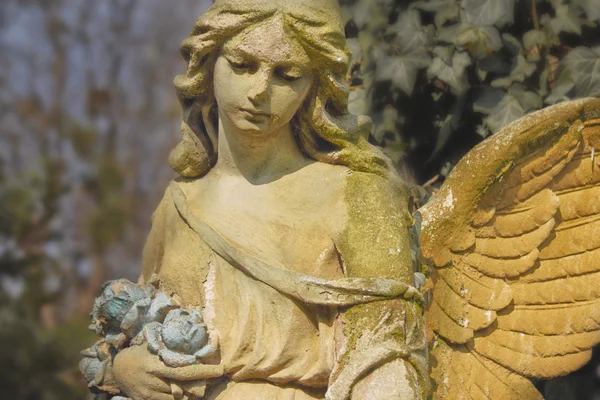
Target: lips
(256,113)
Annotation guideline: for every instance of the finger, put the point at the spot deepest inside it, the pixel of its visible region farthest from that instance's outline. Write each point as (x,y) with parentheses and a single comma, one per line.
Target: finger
(195,389)
(189,373)
(176,391)
(157,385)
(160,396)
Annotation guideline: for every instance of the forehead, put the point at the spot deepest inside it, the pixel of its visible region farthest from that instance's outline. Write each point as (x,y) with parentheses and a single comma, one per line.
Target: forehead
(268,42)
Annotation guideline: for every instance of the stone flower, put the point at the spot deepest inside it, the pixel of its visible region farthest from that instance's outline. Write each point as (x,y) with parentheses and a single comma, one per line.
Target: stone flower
(145,311)
(181,339)
(113,304)
(96,367)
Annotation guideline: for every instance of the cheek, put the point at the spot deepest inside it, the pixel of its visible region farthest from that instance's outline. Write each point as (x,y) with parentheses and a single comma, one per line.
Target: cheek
(227,86)
(286,100)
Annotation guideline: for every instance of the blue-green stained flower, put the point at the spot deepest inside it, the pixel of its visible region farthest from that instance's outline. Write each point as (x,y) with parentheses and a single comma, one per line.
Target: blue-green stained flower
(182,339)
(145,311)
(183,331)
(113,304)
(90,365)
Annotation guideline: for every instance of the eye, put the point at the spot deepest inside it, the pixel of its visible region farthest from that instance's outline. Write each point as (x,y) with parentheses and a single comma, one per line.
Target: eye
(288,74)
(239,64)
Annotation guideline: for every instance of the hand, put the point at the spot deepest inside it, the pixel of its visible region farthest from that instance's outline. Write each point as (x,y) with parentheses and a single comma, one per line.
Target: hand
(142,376)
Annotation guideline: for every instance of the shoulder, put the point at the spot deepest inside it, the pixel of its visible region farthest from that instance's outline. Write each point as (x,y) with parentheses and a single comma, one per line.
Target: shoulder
(374,194)
(166,212)
(375,240)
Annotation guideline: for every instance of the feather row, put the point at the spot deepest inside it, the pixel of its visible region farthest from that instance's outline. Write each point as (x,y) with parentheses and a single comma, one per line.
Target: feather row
(529,178)
(581,172)
(481,291)
(523,218)
(514,247)
(553,319)
(572,239)
(529,365)
(569,266)
(461,374)
(498,267)
(460,310)
(542,162)
(540,346)
(440,322)
(580,202)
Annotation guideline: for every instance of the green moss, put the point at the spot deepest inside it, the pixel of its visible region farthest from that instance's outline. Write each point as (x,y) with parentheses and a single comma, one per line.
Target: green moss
(375,242)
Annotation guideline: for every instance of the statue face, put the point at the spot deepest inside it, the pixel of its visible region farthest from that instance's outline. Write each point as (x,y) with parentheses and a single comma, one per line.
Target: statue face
(261,78)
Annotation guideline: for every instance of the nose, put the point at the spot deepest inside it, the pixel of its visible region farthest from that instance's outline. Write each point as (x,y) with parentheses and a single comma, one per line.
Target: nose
(259,92)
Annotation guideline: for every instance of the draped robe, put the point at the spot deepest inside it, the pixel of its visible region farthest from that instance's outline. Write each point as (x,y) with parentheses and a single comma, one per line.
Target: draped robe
(284,334)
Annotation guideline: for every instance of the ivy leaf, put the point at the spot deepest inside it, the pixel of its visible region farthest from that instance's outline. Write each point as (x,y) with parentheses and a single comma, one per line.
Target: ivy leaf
(453,74)
(402,70)
(583,63)
(529,100)
(495,63)
(489,12)
(520,72)
(386,123)
(361,13)
(410,34)
(563,87)
(512,44)
(481,41)
(534,37)
(567,19)
(447,34)
(482,130)
(592,9)
(445,10)
(509,109)
(358,103)
(445,53)
(487,99)
(366,42)
(356,50)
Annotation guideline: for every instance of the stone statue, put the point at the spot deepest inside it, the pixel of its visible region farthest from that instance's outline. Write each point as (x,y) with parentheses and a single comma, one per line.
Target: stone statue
(279,263)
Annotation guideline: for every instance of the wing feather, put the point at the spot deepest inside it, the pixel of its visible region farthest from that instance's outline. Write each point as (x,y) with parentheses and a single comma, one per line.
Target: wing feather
(460,310)
(445,326)
(456,370)
(573,238)
(515,236)
(539,346)
(488,294)
(530,365)
(529,216)
(501,267)
(558,291)
(563,267)
(553,319)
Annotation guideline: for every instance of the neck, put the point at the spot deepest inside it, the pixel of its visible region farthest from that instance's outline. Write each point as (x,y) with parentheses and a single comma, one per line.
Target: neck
(258,158)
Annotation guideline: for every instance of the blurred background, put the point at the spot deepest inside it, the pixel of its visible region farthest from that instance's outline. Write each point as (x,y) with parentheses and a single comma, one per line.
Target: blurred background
(88,116)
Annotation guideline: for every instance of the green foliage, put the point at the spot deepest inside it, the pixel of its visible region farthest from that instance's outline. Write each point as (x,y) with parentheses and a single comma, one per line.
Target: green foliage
(16,207)
(32,355)
(459,70)
(438,76)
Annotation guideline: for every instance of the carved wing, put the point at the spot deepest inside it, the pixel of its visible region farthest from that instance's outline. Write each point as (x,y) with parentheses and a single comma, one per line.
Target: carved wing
(514,235)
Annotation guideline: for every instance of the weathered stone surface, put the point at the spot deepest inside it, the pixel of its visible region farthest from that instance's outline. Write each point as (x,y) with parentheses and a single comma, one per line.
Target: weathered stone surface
(279,264)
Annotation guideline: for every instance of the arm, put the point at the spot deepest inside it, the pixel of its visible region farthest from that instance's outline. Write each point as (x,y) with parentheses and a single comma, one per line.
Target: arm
(139,373)
(384,352)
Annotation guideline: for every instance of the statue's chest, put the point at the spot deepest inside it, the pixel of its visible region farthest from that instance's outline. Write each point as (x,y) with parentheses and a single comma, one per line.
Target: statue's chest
(296,229)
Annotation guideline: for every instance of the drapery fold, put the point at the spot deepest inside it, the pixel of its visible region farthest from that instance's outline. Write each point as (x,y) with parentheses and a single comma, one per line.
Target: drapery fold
(301,287)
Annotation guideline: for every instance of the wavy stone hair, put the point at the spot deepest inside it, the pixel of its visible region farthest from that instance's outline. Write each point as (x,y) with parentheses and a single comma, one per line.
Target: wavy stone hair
(324,128)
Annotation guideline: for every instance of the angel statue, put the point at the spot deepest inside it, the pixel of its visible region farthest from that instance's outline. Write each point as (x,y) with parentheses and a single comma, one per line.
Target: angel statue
(279,263)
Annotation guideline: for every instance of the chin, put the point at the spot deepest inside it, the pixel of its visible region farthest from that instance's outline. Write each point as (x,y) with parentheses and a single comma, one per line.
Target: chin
(254,128)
